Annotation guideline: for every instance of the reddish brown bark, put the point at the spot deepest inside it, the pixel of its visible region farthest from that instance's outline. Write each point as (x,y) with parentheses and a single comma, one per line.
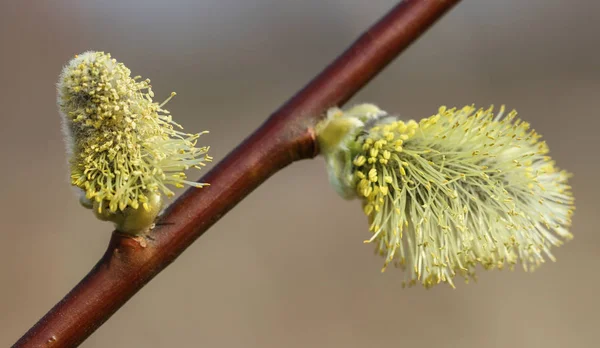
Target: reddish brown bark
(287,136)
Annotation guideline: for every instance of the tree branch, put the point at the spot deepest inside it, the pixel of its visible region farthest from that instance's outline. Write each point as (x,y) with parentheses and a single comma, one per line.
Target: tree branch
(287,136)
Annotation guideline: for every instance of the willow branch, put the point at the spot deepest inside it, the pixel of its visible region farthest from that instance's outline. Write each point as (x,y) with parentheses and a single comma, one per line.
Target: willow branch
(287,136)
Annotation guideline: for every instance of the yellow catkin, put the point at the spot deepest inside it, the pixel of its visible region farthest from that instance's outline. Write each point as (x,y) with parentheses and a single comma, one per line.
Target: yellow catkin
(124,148)
(457,189)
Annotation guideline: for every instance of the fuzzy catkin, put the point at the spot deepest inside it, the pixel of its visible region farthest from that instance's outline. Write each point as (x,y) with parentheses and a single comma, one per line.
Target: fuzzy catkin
(124,148)
(461,188)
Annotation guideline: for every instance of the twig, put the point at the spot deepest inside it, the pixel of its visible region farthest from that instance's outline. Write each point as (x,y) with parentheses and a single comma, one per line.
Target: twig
(287,136)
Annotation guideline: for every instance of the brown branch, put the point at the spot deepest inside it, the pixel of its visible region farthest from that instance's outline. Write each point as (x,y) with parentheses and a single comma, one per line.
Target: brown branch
(287,136)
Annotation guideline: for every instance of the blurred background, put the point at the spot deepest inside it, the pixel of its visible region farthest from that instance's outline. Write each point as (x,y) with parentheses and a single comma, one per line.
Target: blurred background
(287,267)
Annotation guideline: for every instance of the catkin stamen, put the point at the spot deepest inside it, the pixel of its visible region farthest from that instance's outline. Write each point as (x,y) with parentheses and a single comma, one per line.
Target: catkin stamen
(457,189)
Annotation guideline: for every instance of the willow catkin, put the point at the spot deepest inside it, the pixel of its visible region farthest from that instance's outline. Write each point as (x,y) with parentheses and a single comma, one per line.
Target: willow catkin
(457,189)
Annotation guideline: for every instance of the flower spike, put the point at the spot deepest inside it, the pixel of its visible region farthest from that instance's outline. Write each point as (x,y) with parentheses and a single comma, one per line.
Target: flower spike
(124,148)
(457,189)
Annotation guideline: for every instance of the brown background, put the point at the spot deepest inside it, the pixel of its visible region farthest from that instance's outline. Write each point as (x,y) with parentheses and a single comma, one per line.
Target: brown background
(287,267)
